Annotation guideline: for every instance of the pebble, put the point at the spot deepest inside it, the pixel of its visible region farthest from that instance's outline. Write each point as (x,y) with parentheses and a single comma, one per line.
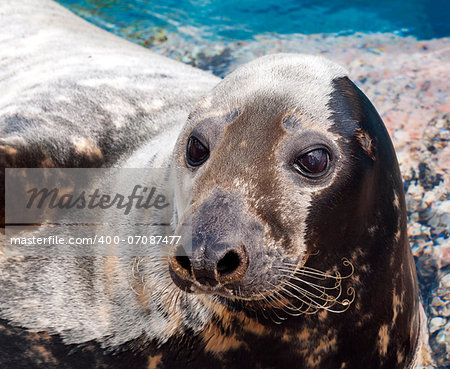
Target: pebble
(436,323)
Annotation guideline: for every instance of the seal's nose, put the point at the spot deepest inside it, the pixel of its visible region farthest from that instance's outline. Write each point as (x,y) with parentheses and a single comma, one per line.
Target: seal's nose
(213,252)
(216,263)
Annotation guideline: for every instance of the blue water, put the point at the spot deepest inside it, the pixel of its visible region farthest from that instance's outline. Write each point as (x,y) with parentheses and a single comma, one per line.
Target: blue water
(241,20)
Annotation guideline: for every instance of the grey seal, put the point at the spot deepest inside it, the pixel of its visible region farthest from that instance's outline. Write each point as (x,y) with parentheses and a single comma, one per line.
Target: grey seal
(298,254)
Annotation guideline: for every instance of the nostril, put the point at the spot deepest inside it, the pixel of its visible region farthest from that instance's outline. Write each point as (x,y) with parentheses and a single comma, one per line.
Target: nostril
(229,263)
(184,262)
(182,259)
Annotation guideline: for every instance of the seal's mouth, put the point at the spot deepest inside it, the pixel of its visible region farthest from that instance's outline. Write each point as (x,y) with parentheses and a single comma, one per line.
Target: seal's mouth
(187,281)
(228,288)
(293,290)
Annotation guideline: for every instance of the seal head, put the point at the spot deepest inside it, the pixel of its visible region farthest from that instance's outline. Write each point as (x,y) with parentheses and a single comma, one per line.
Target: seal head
(295,185)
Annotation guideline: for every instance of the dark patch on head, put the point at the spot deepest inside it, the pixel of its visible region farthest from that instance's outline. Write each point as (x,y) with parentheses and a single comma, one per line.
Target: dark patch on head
(363,196)
(352,112)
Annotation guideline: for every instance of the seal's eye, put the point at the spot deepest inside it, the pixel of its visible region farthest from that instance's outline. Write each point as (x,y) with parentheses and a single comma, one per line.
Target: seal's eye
(313,163)
(196,152)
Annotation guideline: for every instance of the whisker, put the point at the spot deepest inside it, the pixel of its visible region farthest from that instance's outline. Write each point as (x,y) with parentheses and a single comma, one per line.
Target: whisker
(274,308)
(310,301)
(293,310)
(306,290)
(309,283)
(322,296)
(271,311)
